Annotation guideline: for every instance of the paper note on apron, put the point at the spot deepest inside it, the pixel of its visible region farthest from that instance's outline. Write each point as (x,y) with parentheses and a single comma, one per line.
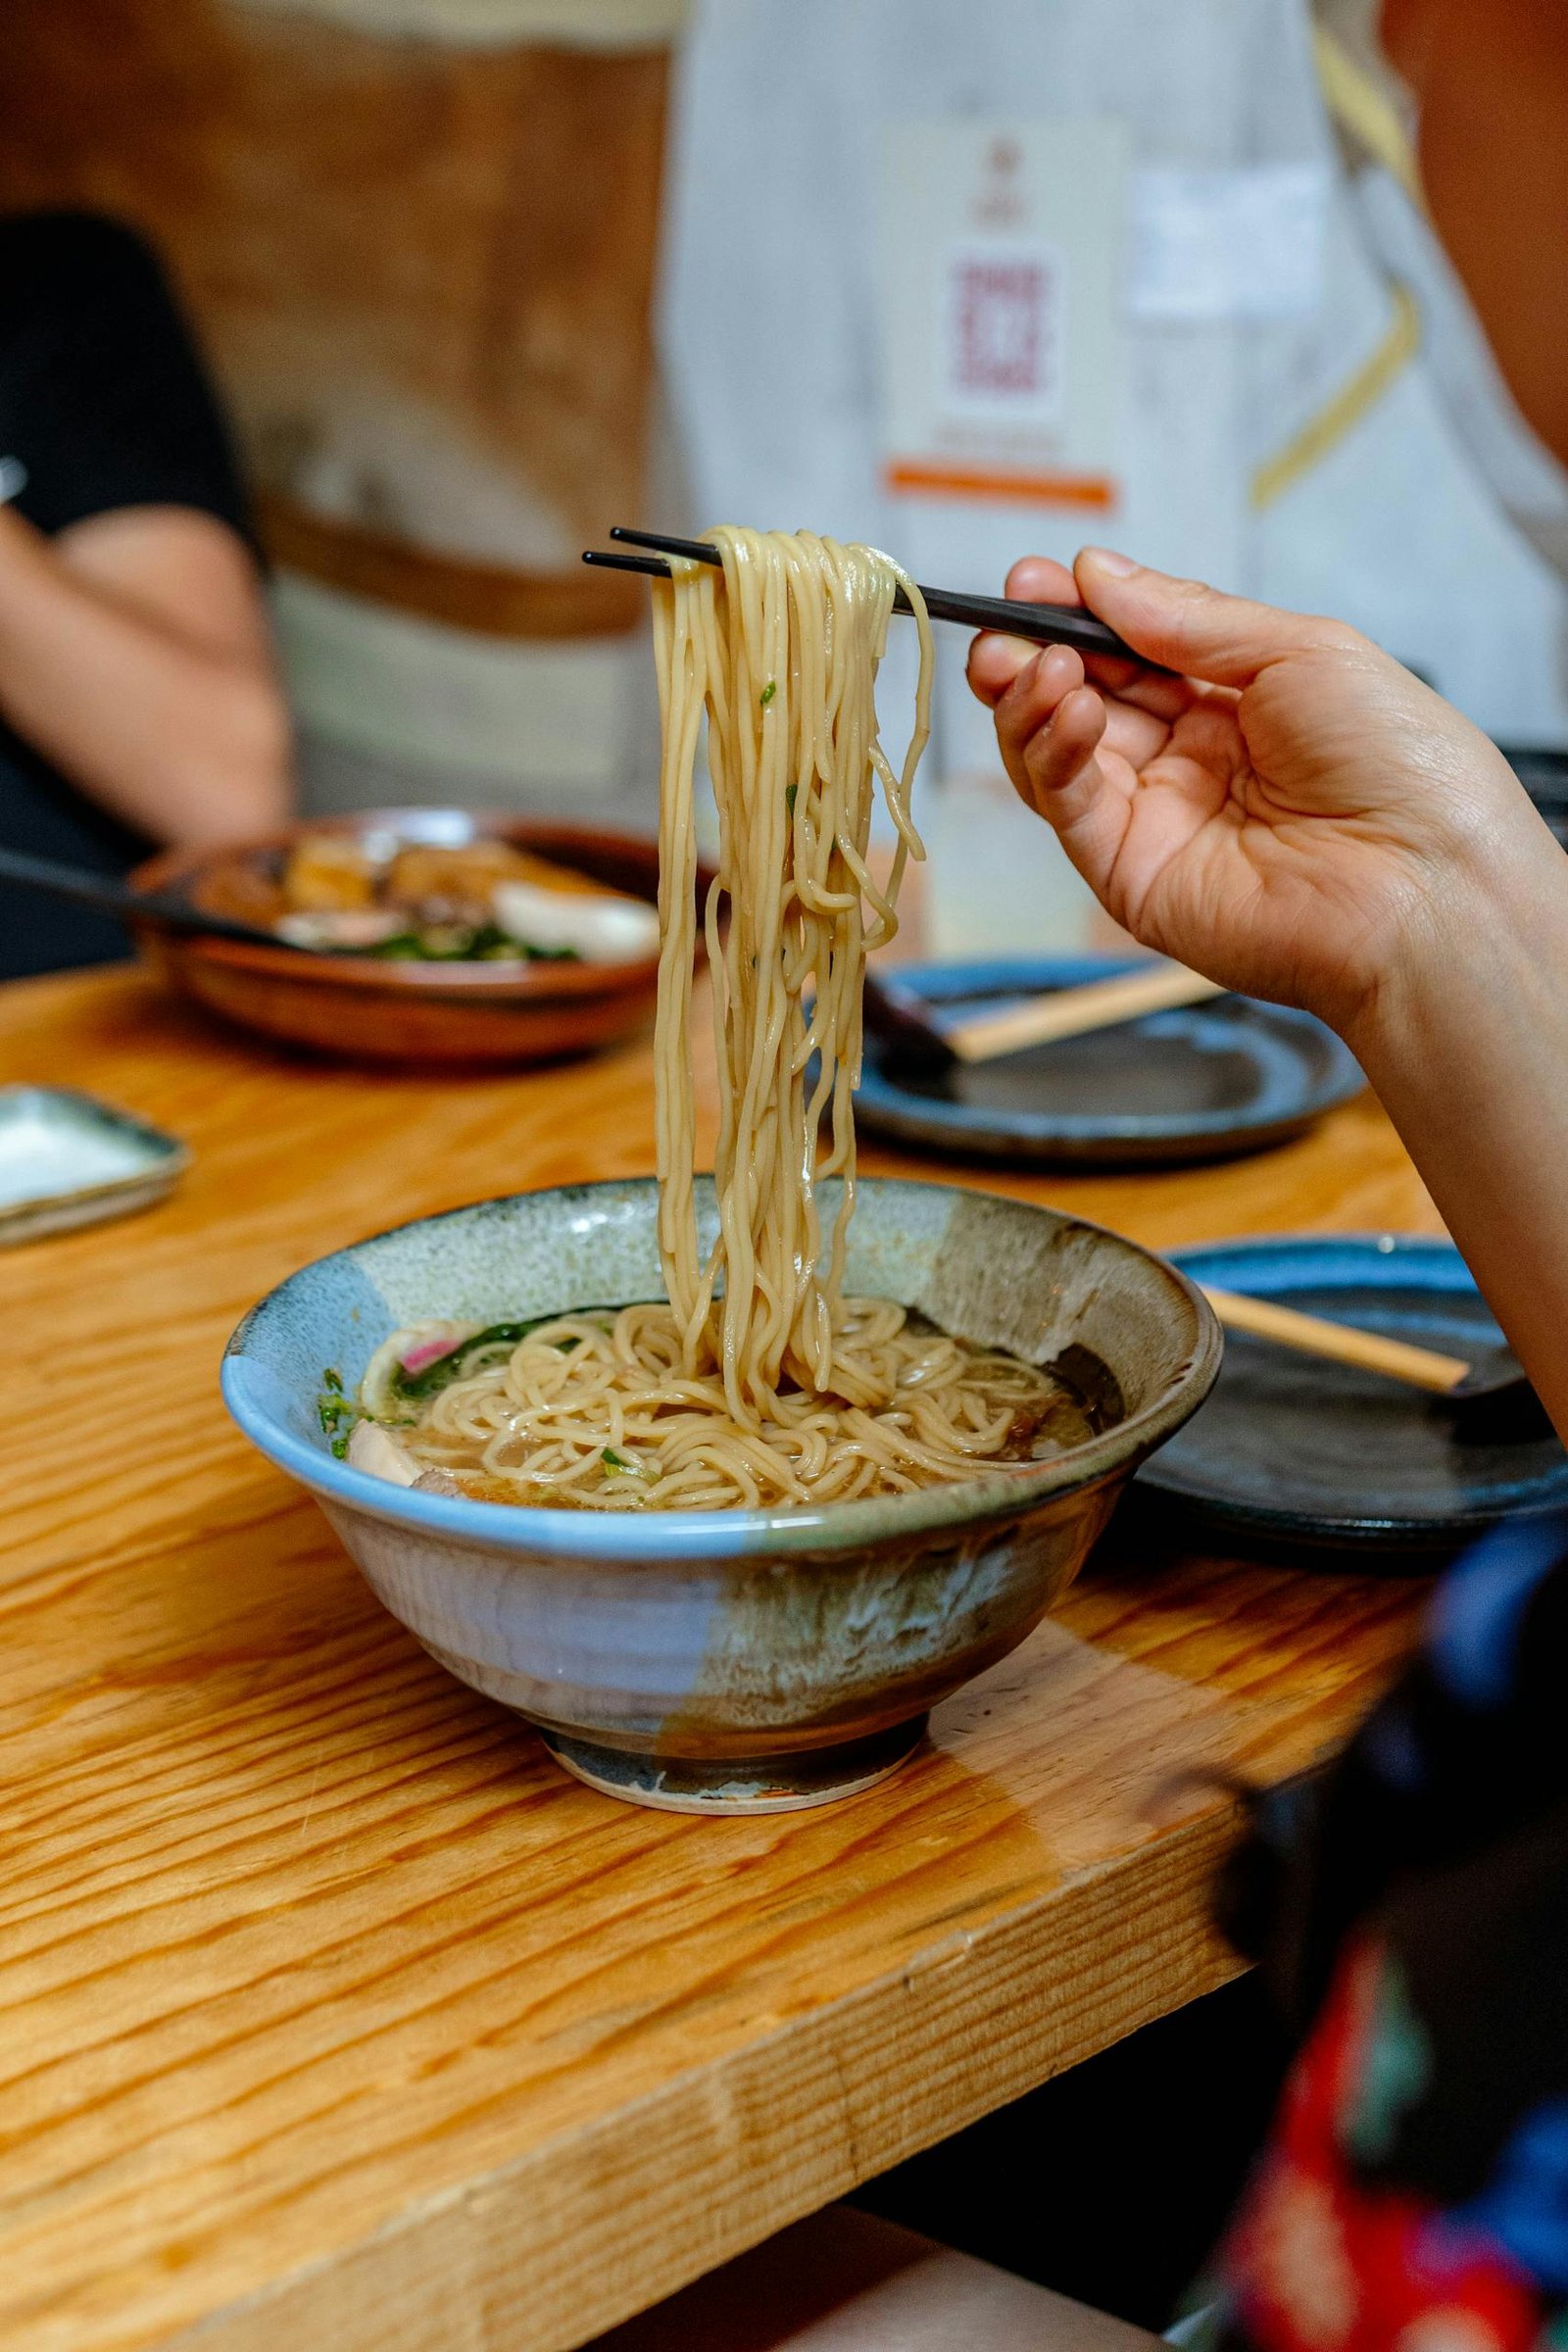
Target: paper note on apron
(999,270)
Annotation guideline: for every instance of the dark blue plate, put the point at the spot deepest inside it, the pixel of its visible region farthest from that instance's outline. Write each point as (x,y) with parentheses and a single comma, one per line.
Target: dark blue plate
(1204,1082)
(1298,1451)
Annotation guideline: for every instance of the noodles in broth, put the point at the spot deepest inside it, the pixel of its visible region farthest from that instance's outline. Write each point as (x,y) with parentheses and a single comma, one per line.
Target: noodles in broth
(758,1382)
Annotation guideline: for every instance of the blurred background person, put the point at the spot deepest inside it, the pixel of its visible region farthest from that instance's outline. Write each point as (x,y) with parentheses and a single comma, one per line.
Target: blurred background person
(419,240)
(672,261)
(139,704)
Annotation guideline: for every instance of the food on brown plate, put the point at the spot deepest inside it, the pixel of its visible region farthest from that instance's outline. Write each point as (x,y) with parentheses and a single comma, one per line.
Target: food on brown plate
(328,873)
(483,901)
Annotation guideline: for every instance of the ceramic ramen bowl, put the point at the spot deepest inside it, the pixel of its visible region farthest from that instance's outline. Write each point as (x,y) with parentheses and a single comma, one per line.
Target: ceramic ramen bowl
(727,1661)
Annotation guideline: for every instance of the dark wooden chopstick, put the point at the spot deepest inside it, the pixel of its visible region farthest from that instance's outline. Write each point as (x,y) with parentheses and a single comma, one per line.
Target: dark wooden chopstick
(1041,624)
(161,908)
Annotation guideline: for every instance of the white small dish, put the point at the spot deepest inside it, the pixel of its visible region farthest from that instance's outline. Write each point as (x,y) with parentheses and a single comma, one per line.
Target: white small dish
(68,1159)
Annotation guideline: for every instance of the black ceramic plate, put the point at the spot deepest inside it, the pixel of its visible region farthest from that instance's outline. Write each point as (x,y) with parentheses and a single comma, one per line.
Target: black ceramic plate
(1204,1082)
(1299,1450)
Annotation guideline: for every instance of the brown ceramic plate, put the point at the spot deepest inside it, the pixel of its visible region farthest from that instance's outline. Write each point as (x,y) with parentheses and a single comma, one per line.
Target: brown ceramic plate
(394,1011)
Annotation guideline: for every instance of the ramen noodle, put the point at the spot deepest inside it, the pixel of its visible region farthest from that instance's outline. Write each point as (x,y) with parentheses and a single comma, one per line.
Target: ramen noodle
(755,1380)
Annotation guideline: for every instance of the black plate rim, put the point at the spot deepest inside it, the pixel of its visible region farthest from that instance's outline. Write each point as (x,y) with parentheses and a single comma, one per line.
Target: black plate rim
(1353,1530)
(888,1109)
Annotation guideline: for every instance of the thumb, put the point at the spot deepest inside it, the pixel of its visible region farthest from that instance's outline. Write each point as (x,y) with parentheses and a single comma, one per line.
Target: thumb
(1222,639)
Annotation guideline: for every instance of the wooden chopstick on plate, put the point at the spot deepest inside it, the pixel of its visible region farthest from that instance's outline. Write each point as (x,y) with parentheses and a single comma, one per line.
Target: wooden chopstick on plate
(1075,1011)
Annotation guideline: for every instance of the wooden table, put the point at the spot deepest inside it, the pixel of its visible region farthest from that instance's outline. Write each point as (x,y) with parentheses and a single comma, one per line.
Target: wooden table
(331,2014)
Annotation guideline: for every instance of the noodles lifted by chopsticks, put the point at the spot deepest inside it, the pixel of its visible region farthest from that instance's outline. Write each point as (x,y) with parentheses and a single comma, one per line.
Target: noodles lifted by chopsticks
(759,1382)
(782,651)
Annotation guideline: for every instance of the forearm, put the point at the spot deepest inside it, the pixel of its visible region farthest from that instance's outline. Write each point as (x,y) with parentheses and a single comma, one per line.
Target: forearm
(1467,1047)
(183,741)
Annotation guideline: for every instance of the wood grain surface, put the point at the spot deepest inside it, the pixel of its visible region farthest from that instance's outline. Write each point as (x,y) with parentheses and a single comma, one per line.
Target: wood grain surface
(330,2012)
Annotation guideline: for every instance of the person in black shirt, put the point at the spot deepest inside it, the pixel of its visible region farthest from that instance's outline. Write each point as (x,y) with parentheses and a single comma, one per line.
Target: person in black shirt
(138,699)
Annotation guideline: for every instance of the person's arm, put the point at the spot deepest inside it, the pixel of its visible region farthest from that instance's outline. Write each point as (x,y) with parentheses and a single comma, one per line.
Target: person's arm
(1467,1047)
(134,655)
(1298,818)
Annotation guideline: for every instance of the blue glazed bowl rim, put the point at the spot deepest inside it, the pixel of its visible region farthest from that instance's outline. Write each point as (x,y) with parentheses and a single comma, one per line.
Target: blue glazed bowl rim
(527,1529)
(1342,1080)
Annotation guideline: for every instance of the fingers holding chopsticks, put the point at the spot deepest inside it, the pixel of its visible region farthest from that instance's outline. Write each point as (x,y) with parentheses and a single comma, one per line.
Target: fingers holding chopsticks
(997,660)
(1049,724)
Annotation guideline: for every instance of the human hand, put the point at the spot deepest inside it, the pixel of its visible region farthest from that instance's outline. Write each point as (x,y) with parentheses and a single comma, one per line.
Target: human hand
(1294,815)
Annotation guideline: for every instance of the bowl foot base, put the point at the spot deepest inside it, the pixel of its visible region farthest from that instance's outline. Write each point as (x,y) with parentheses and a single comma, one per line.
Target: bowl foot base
(818,1776)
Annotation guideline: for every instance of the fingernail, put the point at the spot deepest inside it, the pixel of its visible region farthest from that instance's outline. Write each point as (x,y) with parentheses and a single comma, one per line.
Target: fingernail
(1108,561)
